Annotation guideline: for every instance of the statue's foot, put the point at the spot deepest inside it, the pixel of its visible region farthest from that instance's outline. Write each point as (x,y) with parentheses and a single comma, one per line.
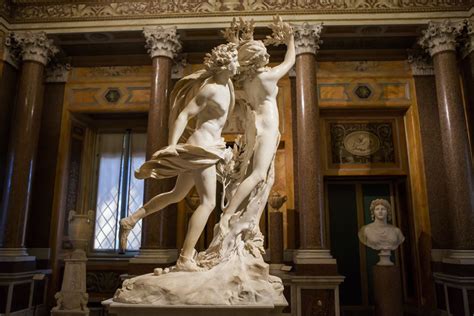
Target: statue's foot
(126,226)
(187,264)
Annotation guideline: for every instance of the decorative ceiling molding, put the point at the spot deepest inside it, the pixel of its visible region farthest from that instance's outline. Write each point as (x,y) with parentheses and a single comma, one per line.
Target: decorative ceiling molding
(5,9)
(57,11)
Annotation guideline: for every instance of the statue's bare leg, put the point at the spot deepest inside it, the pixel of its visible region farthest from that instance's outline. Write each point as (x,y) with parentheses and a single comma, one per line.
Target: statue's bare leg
(184,183)
(262,158)
(205,181)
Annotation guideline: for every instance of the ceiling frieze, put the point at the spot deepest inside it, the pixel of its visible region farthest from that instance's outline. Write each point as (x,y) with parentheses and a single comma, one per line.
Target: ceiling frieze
(54,11)
(5,9)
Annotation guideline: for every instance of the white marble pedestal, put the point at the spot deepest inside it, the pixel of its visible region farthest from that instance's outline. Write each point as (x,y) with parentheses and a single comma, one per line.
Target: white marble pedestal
(120,309)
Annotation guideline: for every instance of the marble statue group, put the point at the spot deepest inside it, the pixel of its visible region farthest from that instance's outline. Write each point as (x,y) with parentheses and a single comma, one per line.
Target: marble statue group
(231,271)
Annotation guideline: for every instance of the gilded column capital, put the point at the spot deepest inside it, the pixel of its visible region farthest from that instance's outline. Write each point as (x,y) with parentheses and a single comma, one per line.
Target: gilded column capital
(161,41)
(421,64)
(32,46)
(57,72)
(307,38)
(441,36)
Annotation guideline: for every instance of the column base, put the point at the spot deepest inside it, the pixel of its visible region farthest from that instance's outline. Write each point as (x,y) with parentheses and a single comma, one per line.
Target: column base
(149,259)
(465,257)
(452,256)
(314,262)
(15,254)
(313,256)
(13,260)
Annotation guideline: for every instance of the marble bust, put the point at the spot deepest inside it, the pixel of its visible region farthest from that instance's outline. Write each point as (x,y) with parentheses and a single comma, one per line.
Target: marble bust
(379,235)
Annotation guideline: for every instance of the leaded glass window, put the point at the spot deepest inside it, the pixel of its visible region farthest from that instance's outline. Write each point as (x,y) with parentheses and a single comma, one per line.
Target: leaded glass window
(119,194)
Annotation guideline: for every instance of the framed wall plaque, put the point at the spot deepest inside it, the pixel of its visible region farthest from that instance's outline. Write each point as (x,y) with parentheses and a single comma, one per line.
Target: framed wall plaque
(362,146)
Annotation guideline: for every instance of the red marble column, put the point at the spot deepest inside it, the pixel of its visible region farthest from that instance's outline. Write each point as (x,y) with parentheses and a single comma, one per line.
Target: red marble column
(39,224)
(8,84)
(313,248)
(440,40)
(35,51)
(467,71)
(159,229)
(425,87)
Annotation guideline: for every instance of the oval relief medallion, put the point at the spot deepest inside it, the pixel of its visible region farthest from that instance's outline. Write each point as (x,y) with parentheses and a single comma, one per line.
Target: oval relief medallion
(361,143)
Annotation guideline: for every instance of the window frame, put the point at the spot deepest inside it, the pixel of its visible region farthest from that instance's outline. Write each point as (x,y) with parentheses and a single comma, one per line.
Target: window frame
(89,190)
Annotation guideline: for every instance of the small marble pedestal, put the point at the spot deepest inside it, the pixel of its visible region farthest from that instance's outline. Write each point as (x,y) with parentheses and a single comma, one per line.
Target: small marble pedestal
(387,291)
(72,299)
(120,309)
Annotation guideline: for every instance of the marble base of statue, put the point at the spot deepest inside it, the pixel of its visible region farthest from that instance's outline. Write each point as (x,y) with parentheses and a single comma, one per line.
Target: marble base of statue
(387,291)
(121,309)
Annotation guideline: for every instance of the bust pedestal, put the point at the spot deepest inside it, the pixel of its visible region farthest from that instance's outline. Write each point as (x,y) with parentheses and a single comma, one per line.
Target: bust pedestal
(387,291)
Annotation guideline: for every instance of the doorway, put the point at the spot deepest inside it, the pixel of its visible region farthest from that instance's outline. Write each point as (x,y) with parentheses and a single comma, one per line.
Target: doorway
(348,203)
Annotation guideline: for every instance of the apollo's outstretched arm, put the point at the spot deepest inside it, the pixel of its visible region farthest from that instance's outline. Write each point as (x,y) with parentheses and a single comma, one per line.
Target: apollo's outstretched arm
(282,69)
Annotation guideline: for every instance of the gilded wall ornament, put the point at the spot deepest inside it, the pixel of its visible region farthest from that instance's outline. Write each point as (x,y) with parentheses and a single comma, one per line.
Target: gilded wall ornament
(32,46)
(112,71)
(307,38)
(57,72)
(161,41)
(421,65)
(441,36)
(362,143)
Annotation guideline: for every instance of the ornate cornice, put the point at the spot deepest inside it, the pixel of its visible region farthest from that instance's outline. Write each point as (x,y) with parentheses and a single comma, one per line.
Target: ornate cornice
(421,64)
(83,10)
(57,72)
(441,36)
(31,46)
(307,38)
(161,41)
